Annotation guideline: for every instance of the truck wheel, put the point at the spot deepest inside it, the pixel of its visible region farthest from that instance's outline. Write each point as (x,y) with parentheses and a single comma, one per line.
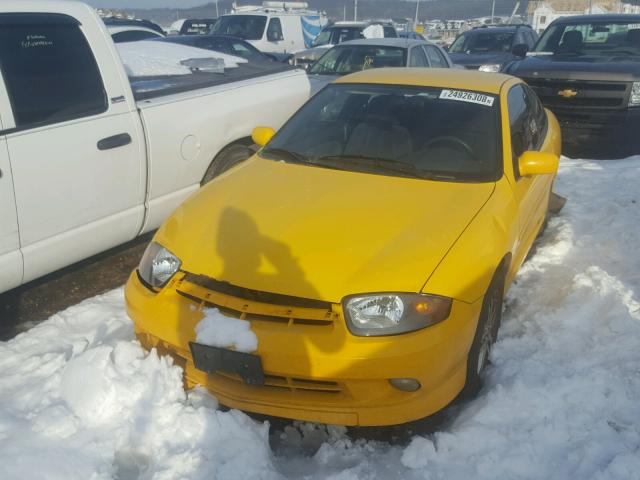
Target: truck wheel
(486,333)
(227,158)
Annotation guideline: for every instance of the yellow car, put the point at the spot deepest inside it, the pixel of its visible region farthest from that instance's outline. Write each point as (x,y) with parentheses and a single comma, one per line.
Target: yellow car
(367,248)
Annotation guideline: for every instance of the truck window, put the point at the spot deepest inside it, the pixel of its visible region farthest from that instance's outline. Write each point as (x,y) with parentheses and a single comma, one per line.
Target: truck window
(274,30)
(49,69)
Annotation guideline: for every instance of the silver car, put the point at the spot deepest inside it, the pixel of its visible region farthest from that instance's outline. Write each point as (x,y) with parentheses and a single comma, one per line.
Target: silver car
(356,55)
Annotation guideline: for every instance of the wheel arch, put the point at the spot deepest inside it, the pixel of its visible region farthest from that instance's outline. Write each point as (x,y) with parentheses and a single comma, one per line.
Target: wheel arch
(243,141)
(485,247)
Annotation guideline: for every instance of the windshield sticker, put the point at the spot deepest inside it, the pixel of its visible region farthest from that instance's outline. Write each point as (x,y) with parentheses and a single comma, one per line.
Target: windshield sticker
(469,97)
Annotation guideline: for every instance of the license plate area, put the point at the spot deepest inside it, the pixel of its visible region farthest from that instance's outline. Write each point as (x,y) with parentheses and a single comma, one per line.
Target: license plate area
(213,359)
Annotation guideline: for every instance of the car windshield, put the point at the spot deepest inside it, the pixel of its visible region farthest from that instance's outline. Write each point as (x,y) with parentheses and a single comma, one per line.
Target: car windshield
(482,42)
(336,35)
(345,59)
(592,38)
(249,27)
(416,132)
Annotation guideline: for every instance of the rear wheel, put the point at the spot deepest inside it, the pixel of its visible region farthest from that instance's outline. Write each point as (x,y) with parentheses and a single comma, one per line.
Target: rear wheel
(486,333)
(229,157)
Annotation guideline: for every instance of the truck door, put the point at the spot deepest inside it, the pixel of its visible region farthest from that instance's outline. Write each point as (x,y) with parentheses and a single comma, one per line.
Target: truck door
(10,256)
(75,146)
(275,37)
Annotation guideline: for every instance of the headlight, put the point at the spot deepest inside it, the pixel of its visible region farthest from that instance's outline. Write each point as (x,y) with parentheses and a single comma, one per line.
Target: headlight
(491,67)
(634,98)
(393,313)
(158,265)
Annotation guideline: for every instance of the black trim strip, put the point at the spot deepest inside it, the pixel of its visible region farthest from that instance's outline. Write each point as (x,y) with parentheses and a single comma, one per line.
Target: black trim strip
(255,295)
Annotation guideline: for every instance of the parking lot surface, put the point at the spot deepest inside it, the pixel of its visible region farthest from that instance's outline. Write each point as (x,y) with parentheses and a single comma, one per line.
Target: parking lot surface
(23,307)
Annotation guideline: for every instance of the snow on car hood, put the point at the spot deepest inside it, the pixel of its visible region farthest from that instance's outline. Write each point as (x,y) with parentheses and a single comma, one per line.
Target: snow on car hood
(149,58)
(318,233)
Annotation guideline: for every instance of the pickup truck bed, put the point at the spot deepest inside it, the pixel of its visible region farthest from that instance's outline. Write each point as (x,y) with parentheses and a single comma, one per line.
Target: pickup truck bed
(145,88)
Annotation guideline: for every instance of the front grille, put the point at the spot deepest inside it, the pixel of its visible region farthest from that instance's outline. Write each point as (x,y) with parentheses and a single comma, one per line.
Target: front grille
(472,67)
(589,94)
(290,383)
(194,288)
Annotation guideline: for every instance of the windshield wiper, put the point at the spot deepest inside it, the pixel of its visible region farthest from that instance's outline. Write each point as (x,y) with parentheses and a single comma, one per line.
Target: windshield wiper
(288,154)
(382,164)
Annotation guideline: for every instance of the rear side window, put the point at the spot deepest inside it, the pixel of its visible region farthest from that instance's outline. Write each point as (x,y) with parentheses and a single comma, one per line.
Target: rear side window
(132,36)
(49,69)
(418,58)
(435,57)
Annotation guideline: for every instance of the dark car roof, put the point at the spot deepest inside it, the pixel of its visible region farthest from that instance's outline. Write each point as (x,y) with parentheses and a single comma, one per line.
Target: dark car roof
(606,17)
(501,29)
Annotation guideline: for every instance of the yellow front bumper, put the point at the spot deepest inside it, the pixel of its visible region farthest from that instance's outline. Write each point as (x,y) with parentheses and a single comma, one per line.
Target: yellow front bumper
(315,370)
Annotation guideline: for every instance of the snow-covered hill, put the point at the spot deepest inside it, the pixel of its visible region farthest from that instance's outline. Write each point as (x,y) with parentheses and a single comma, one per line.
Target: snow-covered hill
(79,399)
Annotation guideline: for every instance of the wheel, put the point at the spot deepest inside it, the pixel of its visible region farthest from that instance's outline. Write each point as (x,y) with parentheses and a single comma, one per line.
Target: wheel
(486,333)
(229,157)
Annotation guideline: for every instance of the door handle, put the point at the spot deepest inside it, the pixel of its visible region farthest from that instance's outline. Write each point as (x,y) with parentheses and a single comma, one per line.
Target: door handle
(115,141)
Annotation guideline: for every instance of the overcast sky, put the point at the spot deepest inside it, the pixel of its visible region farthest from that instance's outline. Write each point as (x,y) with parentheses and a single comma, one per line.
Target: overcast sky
(146,3)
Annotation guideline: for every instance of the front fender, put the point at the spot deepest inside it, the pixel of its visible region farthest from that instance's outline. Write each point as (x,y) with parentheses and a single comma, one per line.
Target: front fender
(466,270)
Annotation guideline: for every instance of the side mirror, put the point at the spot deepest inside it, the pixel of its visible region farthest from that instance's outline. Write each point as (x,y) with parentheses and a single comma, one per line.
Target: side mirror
(537,163)
(262,135)
(520,50)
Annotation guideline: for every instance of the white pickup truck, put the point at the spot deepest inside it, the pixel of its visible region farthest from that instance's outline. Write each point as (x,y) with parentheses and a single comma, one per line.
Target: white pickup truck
(90,158)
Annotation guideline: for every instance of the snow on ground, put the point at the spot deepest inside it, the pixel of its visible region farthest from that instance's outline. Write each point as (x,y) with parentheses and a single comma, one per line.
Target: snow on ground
(79,398)
(151,57)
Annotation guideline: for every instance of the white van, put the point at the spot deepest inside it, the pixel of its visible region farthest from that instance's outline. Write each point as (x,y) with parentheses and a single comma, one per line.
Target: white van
(282,27)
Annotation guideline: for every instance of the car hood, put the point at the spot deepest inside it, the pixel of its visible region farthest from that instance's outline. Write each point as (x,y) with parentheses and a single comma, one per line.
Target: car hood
(318,233)
(583,67)
(478,59)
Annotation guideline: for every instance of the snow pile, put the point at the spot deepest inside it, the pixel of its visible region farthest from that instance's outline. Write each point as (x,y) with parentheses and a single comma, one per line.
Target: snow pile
(150,57)
(80,399)
(218,330)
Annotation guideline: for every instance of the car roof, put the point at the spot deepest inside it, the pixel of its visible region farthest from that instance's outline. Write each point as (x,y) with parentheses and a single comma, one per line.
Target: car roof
(431,77)
(387,42)
(113,29)
(502,29)
(604,17)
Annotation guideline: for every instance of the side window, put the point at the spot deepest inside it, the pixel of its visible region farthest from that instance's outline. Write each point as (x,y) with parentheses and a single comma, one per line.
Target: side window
(519,122)
(132,36)
(435,57)
(389,32)
(274,30)
(418,58)
(538,119)
(49,69)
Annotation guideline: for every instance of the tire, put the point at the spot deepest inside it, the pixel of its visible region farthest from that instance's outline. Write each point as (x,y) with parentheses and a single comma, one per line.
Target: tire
(486,333)
(229,157)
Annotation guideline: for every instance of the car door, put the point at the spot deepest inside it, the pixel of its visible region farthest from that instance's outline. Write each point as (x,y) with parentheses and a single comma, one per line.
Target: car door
(75,146)
(10,256)
(527,133)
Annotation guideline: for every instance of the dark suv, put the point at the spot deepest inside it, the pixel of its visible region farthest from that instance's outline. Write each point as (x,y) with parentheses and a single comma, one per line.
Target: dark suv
(586,69)
(490,48)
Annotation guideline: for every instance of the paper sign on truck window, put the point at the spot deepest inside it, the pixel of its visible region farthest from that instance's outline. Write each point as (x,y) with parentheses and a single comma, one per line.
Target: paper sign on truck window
(470,97)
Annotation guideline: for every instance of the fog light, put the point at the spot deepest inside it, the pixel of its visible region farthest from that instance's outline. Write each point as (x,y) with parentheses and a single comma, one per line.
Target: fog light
(405,384)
